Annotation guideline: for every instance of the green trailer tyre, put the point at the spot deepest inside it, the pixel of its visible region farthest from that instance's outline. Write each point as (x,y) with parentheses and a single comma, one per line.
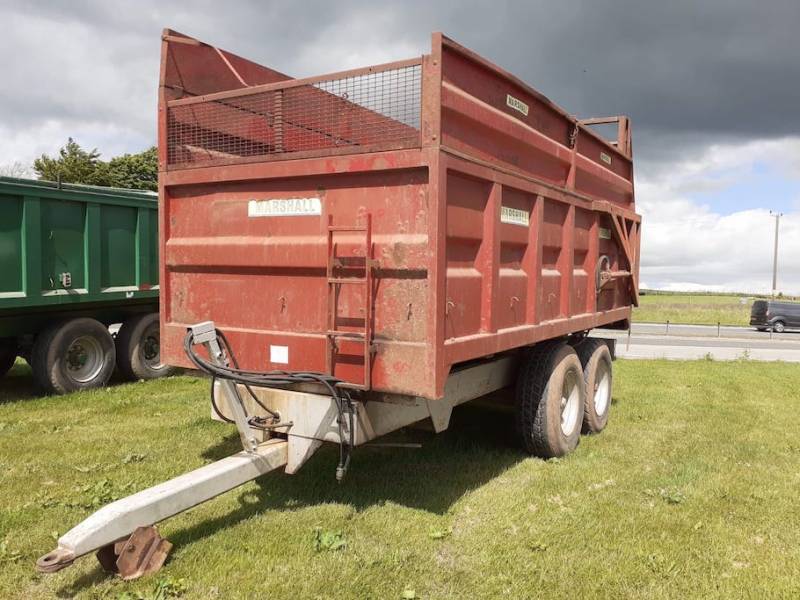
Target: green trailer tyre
(8,354)
(139,348)
(73,355)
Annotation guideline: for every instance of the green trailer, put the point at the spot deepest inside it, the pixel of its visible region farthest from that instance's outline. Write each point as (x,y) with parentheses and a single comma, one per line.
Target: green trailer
(75,261)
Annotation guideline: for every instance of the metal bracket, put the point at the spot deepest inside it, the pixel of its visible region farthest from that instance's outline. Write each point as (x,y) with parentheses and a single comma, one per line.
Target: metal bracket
(144,552)
(604,274)
(205,333)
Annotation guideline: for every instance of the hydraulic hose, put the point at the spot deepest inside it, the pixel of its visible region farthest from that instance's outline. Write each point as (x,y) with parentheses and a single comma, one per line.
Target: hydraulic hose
(278,379)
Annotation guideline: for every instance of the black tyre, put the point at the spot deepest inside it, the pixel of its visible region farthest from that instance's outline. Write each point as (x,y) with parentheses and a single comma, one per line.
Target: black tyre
(8,354)
(139,348)
(596,360)
(550,396)
(779,327)
(73,355)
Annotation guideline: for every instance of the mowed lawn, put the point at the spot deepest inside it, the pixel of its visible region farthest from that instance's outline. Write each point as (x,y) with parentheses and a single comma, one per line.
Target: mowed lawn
(694,309)
(691,492)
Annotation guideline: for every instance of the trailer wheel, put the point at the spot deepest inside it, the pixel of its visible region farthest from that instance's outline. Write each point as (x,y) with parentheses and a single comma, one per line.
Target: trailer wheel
(598,375)
(73,355)
(550,397)
(139,348)
(8,355)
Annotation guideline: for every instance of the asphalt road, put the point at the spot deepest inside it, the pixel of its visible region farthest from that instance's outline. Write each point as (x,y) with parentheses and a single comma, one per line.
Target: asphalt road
(688,342)
(711,331)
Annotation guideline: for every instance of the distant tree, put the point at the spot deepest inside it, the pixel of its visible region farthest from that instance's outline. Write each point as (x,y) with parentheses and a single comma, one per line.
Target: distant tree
(72,165)
(15,169)
(135,171)
(76,165)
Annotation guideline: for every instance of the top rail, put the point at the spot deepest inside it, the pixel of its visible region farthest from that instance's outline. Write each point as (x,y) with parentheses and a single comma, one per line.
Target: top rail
(283,85)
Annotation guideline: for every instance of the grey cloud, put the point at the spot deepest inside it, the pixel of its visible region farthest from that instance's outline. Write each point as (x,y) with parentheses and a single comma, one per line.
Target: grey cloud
(683,70)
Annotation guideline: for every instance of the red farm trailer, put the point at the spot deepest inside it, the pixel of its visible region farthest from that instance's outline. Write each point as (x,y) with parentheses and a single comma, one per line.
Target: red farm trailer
(352,253)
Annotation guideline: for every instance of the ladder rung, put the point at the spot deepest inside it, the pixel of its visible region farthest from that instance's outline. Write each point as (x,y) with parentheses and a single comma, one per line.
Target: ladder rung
(337,261)
(348,280)
(346,228)
(350,334)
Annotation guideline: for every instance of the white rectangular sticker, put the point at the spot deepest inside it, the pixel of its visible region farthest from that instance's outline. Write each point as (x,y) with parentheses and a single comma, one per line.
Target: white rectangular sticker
(605,234)
(514,216)
(605,158)
(279,355)
(284,207)
(517,104)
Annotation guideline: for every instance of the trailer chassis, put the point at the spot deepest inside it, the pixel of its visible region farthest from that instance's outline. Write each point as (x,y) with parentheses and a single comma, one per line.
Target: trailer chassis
(123,534)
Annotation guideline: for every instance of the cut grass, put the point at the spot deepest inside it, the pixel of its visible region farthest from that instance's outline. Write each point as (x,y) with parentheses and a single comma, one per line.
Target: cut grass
(700,309)
(690,492)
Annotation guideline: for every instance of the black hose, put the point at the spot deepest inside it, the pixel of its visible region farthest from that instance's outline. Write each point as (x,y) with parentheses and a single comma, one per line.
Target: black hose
(278,379)
(229,351)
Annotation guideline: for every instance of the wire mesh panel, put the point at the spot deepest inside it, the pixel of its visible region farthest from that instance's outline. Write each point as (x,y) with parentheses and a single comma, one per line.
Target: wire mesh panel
(370,111)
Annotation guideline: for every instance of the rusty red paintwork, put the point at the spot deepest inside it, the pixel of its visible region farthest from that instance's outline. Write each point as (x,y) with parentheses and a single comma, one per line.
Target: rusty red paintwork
(490,210)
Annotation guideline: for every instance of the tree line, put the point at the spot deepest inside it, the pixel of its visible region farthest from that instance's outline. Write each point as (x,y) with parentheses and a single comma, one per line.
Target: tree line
(74,164)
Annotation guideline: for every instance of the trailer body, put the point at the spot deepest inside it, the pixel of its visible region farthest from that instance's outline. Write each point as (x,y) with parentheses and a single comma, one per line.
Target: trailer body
(72,252)
(388,223)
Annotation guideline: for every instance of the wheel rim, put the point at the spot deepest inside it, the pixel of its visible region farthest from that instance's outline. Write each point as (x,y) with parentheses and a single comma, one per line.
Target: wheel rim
(84,359)
(602,390)
(150,349)
(570,403)
(779,327)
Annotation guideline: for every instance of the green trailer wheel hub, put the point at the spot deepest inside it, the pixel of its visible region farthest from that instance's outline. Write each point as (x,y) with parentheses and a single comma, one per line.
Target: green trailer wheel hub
(151,351)
(84,359)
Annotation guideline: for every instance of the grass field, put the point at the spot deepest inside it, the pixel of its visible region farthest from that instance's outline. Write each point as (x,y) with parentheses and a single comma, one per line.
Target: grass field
(694,309)
(691,492)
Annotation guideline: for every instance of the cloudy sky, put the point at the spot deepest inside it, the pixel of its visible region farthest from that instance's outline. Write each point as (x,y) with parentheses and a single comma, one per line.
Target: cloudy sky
(712,86)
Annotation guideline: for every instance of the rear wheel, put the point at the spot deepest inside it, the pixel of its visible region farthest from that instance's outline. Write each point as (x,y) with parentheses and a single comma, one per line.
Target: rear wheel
(73,355)
(597,373)
(779,327)
(139,348)
(550,397)
(8,354)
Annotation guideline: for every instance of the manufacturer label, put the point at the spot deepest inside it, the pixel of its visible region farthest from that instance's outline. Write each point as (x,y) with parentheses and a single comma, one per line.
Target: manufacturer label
(279,355)
(284,207)
(605,158)
(514,216)
(605,234)
(517,104)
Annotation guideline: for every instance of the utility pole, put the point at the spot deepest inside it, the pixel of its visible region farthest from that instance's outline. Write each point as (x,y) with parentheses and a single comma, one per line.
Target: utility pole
(777,216)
